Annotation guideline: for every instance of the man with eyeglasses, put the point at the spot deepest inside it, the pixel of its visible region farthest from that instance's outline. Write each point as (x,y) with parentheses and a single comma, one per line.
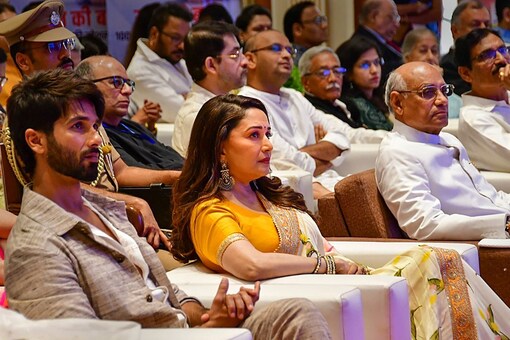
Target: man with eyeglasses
(293,119)
(484,124)
(305,27)
(137,146)
(38,39)
(467,16)
(216,62)
(425,175)
(379,21)
(157,66)
(322,75)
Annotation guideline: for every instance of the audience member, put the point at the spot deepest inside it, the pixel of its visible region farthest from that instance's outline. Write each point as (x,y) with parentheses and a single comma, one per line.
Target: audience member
(215,12)
(468,15)
(237,220)
(217,65)
(136,145)
(31,47)
(139,30)
(322,79)
(418,14)
(503,14)
(252,20)
(303,136)
(425,175)
(157,66)
(484,125)
(379,21)
(360,90)
(78,263)
(421,44)
(44,51)
(304,26)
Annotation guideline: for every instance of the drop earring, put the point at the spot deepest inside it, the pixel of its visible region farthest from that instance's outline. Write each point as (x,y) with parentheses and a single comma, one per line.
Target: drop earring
(226,181)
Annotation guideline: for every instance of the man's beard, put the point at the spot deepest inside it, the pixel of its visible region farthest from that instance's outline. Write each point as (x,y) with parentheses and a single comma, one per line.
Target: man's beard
(68,163)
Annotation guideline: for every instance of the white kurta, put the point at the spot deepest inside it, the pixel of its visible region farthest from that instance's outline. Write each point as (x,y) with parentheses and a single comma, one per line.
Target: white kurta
(292,118)
(159,81)
(484,129)
(433,194)
(186,117)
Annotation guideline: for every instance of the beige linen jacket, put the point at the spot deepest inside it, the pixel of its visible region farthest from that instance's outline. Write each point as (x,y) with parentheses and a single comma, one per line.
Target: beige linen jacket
(57,268)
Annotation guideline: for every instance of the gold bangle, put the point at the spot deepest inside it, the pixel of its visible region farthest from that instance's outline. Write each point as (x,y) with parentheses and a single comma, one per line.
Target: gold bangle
(318,266)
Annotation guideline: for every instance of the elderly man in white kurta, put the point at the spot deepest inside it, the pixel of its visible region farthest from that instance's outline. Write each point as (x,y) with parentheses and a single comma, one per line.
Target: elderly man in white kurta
(425,175)
(303,136)
(484,124)
(157,67)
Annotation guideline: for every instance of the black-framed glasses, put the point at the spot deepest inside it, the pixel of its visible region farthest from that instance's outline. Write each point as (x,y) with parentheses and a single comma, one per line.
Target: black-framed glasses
(56,46)
(278,48)
(318,20)
(176,39)
(368,63)
(430,91)
(118,82)
(3,80)
(326,72)
(490,54)
(234,55)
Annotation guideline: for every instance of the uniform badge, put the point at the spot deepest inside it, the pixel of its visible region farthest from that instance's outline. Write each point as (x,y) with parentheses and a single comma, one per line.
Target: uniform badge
(54,18)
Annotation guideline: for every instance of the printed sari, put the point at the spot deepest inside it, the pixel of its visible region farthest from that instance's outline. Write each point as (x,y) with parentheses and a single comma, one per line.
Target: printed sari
(448,300)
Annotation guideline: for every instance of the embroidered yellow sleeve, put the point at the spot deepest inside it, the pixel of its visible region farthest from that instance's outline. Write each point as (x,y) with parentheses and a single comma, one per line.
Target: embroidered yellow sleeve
(226,242)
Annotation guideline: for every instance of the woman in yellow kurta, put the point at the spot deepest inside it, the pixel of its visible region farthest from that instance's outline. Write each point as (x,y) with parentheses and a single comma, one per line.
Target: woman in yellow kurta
(234,219)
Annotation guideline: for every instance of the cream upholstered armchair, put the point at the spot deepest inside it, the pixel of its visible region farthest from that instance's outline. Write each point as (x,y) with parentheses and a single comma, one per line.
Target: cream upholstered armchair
(357,210)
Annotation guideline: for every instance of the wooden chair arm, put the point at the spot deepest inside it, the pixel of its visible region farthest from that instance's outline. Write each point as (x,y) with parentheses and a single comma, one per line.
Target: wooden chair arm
(135,217)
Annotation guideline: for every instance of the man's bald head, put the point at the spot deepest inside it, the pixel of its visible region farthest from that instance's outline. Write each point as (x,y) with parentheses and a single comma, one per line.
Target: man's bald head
(111,79)
(417,95)
(269,54)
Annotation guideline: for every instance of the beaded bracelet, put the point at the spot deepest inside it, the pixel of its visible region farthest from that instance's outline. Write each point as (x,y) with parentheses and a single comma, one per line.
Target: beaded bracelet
(330,264)
(318,266)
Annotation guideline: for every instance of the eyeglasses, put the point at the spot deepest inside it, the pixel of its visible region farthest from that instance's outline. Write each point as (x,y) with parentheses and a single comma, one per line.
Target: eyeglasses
(326,72)
(430,92)
(176,39)
(234,55)
(490,54)
(278,48)
(118,82)
(376,62)
(3,80)
(318,20)
(56,46)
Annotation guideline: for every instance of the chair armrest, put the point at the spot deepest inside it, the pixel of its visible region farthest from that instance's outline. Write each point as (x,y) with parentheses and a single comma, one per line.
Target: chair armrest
(300,181)
(384,298)
(360,157)
(165,133)
(331,221)
(377,254)
(135,217)
(500,180)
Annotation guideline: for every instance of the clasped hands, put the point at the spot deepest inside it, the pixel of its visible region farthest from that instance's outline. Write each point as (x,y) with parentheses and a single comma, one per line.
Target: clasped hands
(229,310)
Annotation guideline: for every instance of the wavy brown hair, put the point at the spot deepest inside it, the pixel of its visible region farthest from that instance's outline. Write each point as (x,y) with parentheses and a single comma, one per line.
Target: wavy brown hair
(200,177)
